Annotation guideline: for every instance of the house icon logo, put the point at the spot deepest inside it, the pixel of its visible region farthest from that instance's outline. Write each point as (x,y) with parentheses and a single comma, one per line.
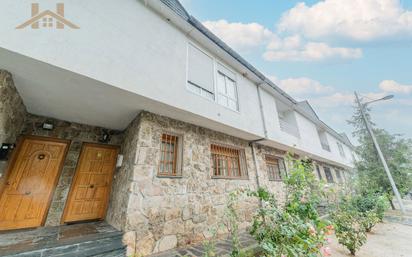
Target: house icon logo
(47,18)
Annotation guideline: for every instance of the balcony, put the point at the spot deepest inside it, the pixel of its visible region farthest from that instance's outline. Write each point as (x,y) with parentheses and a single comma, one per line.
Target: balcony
(289,128)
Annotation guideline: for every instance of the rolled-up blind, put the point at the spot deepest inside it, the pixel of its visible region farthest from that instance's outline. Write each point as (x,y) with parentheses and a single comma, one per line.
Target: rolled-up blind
(200,69)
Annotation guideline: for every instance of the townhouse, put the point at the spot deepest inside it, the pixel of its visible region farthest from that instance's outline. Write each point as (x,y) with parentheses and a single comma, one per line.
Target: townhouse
(134,113)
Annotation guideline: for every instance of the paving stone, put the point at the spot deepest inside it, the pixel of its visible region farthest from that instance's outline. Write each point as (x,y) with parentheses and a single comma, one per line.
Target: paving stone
(80,240)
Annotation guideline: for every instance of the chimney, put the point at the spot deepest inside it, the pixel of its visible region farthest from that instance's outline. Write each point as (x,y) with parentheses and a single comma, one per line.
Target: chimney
(60,11)
(34,12)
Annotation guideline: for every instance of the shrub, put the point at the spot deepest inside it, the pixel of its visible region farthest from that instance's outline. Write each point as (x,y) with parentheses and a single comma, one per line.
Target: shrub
(296,229)
(370,206)
(369,220)
(349,229)
(350,225)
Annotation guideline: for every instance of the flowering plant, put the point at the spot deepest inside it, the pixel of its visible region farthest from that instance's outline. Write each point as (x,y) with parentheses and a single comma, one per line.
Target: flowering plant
(296,229)
(350,229)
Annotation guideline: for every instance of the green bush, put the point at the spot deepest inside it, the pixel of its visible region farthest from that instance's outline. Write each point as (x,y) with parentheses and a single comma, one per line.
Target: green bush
(296,229)
(349,228)
(370,206)
(369,220)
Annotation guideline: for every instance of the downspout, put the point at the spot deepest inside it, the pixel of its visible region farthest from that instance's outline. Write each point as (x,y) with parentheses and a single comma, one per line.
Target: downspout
(252,143)
(252,146)
(262,114)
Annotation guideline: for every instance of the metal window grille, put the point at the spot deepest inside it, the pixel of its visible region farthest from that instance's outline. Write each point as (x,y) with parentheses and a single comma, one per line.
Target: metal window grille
(228,162)
(275,167)
(169,155)
(328,174)
(318,171)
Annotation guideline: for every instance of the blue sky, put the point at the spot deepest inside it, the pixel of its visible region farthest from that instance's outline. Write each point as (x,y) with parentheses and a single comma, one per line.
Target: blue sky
(322,51)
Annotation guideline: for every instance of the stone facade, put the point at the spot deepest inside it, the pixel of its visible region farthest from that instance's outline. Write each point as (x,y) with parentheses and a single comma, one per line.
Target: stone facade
(12,113)
(156,213)
(78,134)
(164,212)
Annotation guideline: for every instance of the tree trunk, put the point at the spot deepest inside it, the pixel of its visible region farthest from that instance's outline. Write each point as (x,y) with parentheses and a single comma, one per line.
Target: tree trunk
(392,205)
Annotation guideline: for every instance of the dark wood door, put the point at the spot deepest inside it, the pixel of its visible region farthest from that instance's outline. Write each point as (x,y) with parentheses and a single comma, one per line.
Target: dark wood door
(90,190)
(32,178)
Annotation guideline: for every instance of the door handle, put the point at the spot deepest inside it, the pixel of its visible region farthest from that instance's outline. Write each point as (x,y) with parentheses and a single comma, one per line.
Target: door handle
(27,193)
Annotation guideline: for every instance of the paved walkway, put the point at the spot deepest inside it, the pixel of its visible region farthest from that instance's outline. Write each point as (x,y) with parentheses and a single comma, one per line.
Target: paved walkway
(393,238)
(385,240)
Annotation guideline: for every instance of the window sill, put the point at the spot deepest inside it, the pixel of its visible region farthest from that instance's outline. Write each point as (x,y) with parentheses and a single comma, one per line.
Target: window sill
(169,176)
(230,178)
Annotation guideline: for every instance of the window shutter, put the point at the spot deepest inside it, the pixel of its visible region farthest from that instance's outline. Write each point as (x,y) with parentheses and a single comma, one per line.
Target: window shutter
(200,69)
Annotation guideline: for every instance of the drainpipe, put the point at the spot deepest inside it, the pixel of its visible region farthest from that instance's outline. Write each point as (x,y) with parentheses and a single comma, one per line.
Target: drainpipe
(252,143)
(252,146)
(262,114)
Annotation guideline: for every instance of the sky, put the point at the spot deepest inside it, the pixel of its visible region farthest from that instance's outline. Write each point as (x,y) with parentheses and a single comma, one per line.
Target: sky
(323,51)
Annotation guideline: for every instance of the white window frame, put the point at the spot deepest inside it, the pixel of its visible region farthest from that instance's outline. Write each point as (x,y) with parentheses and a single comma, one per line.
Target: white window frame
(226,77)
(341,150)
(216,62)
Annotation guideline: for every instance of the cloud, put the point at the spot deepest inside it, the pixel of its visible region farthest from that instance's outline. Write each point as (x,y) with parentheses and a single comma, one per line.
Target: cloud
(239,35)
(392,86)
(334,100)
(301,86)
(312,51)
(360,20)
(247,36)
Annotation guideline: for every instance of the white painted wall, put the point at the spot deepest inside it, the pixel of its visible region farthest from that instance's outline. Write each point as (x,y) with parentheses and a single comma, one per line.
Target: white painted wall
(126,45)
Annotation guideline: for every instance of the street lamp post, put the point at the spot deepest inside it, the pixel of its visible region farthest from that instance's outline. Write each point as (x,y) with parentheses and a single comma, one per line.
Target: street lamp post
(378,149)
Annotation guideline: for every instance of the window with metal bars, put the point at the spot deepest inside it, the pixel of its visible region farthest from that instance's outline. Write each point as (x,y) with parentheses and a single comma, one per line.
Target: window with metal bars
(328,174)
(170,154)
(338,176)
(318,171)
(276,167)
(228,162)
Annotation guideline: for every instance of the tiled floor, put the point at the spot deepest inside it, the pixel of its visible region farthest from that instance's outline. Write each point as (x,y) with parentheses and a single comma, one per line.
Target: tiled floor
(222,248)
(18,241)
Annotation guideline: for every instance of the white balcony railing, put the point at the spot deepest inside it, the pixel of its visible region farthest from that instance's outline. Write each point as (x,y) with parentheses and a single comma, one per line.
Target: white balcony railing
(289,128)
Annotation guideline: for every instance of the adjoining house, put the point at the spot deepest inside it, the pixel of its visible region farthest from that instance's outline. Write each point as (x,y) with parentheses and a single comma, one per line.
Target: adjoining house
(145,119)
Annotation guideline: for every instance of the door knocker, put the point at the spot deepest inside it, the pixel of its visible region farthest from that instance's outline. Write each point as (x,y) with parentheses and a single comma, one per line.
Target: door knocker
(41,156)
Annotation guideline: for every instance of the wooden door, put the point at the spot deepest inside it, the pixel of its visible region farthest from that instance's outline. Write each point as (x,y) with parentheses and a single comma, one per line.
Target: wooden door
(90,190)
(32,177)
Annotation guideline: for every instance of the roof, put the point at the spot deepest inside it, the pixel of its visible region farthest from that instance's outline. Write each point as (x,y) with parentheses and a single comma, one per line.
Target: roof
(178,8)
(308,108)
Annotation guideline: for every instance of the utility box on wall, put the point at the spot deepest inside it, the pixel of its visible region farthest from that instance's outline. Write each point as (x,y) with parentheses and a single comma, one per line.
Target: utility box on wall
(5,151)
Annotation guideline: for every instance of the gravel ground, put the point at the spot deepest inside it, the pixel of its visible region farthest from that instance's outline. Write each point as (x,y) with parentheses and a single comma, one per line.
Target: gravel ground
(385,240)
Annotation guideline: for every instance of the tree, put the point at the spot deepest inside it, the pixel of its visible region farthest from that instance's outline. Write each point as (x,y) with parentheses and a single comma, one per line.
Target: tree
(398,154)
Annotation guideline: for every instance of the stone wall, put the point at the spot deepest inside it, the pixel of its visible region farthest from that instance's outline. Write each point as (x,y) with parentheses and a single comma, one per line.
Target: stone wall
(276,187)
(78,134)
(119,198)
(162,212)
(12,113)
